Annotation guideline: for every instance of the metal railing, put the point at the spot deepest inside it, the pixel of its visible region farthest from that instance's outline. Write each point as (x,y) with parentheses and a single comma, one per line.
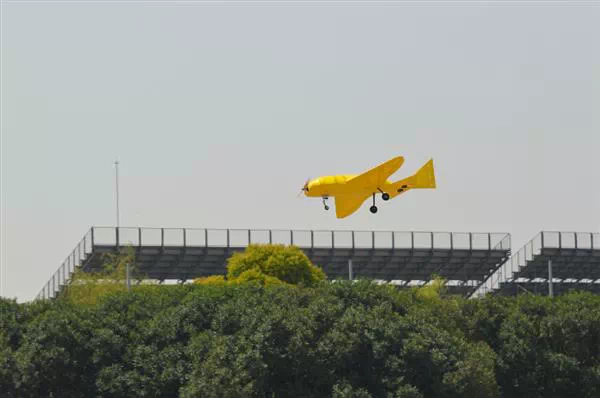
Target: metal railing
(543,240)
(313,239)
(194,237)
(63,274)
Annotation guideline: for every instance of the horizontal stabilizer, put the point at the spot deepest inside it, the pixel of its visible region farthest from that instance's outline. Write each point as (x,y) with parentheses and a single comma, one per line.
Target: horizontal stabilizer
(424,178)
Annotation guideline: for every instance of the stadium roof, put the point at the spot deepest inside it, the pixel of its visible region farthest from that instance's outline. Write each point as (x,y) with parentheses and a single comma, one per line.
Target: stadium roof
(465,260)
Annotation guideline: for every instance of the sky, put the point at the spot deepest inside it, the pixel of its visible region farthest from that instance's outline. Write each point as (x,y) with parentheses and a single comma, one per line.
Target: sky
(218,113)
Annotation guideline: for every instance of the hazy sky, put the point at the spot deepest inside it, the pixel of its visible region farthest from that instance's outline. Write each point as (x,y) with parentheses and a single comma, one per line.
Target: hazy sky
(218,114)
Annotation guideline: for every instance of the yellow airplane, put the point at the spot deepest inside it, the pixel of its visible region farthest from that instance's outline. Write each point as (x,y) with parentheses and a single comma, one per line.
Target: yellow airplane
(350,191)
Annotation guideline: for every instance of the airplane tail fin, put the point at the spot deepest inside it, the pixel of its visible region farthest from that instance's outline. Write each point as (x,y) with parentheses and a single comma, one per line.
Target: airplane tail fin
(424,178)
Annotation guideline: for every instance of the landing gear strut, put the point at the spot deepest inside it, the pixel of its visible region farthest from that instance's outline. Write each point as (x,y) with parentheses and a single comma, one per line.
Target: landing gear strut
(325,202)
(384,195)
(373,208)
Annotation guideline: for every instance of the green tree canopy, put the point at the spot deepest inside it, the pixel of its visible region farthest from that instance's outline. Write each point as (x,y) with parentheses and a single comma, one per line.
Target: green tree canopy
(275,339)
(289,264)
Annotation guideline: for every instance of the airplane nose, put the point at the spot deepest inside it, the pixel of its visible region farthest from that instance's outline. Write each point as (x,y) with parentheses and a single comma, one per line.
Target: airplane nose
(304,189)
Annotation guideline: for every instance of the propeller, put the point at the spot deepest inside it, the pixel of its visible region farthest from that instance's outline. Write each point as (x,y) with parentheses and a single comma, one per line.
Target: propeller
(304,188)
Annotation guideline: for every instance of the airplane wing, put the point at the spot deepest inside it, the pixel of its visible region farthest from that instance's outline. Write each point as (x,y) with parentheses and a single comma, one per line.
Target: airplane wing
(348,204)
(376,177)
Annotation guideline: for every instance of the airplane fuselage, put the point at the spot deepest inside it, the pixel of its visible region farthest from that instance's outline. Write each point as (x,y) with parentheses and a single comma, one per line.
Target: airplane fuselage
(327,186)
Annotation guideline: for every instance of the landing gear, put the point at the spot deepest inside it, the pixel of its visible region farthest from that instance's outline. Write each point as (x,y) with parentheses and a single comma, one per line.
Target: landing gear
(325,203)
(373,208)
(384,195)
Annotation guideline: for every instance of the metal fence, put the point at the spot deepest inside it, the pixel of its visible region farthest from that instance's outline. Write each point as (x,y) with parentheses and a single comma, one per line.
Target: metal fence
(314,239)
(193,237)
(62,276)
(543,240)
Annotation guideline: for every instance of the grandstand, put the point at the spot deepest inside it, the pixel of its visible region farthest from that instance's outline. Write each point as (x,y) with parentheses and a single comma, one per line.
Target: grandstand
(551,263)
(465,260)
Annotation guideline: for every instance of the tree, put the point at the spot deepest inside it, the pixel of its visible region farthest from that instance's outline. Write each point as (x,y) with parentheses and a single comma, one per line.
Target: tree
(267,264)
(343,339)
(88,287)
(54,358)
(216,280)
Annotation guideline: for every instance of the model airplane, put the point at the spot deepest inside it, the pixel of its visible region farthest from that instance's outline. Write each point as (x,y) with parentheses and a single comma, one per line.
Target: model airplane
(350,191)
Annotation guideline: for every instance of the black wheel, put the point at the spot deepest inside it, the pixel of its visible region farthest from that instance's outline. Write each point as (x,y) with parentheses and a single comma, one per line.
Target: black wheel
(385,196)
(373,209)
(326,207)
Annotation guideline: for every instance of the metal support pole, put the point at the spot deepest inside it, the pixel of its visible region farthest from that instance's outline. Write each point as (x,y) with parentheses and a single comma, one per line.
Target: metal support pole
(127,277)
(117,200)
(350,269)
(560,240)
(117,188)
(550,287)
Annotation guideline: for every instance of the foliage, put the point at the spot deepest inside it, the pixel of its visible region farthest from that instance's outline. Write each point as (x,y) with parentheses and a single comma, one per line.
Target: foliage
(255,275)
(286,263)
(342,339)
(432,291)
(217,280)
(87,287)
